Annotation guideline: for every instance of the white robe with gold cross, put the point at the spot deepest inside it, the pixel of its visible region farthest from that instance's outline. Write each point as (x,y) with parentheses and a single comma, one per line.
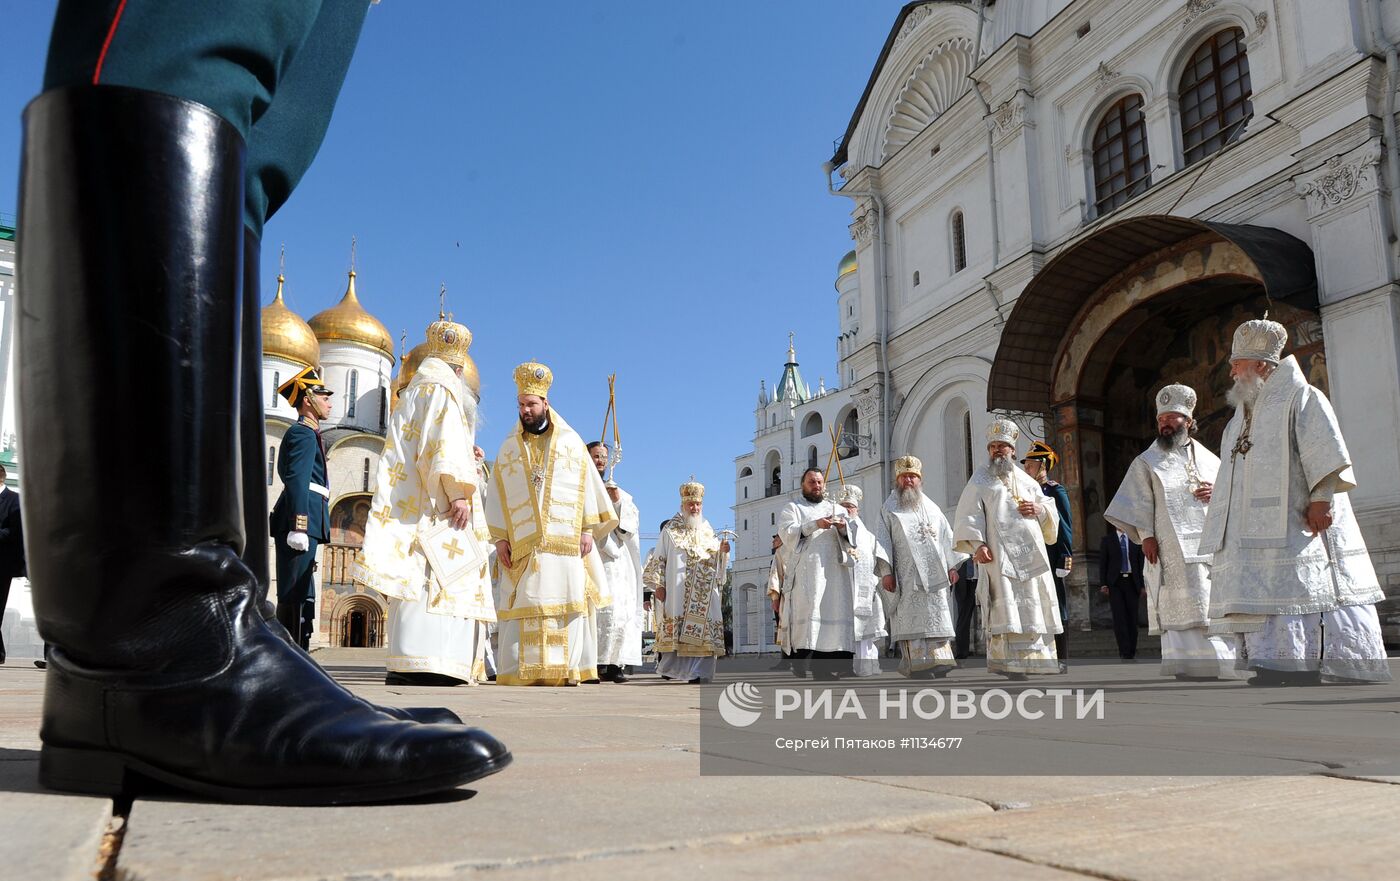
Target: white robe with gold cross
(921,545)
(688,564)
(546,492)
(437,622)
(1020,611)
(1157,500)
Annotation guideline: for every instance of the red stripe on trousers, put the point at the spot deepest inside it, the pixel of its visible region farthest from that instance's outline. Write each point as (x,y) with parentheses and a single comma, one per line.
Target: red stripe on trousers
(107,43)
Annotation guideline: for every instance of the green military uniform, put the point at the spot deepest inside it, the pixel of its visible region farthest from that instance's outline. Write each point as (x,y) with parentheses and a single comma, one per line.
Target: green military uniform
(271,68)
(303,509)
(1063,547)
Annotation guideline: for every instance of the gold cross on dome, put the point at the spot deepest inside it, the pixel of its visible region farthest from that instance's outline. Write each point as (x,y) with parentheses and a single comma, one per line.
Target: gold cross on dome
(453,549)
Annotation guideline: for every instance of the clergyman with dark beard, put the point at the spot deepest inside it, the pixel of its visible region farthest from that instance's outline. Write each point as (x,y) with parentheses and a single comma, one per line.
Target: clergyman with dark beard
(1162,506)
(818,605)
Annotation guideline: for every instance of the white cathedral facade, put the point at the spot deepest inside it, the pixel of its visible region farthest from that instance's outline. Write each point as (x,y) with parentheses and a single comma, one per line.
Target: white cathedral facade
(1058,207)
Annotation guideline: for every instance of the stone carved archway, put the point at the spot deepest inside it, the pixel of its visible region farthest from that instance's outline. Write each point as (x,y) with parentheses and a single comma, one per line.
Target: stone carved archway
(1124,311)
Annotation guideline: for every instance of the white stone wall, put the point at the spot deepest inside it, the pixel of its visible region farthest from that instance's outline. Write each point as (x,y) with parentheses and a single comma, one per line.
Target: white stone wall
(360,378)
(275,372)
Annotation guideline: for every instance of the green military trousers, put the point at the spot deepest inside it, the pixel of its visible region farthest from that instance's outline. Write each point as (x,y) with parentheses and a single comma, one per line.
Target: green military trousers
(272,68)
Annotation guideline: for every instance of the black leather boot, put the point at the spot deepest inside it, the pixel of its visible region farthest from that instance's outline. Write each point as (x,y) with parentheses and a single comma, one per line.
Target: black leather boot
(252,443)
(163,667)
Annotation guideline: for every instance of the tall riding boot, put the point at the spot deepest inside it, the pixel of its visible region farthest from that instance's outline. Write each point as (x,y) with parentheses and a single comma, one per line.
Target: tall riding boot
(162,665)
(252,446)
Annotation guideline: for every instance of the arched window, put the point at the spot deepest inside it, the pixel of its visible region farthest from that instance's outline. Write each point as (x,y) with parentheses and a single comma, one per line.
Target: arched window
(916,278)
(955,472)
(967,443)
(850,429)
(271,464)
(1121,166)
(1215,93)
(811,457)
(366,474)
(354,393)
(958,236)
(746,472)
(276,382)
(773,469)
(812,424)
(383,408)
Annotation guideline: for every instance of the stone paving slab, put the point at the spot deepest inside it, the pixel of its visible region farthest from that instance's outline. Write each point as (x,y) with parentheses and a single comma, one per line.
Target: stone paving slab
(46,836)
(1021,793)
(606,784)
(548,806)
(843,857)
(1265,829)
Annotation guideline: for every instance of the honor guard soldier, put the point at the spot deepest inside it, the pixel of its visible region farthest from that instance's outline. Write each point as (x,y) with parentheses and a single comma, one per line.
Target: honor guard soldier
(301,518)
(192,122)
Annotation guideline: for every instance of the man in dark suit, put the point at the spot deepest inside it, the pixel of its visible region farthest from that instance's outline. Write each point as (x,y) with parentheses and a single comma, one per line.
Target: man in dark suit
(300,520)
(965,599)
(11,546)
(1120,579)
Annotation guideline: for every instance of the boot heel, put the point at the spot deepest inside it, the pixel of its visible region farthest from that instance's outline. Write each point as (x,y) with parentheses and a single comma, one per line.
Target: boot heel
(83,770)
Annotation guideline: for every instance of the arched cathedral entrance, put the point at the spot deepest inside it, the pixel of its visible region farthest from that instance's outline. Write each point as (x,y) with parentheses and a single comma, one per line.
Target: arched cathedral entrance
(1122,312)
(349,616)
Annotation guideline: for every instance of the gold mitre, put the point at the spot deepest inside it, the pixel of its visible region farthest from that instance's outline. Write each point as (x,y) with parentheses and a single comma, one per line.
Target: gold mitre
(1259,339)
(1176,398)
(908,465)
(692,491)
(1003,431)
(533,378)
(449,341)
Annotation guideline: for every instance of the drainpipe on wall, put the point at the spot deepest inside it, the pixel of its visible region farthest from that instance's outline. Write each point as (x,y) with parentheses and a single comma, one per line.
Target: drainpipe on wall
(1392,148)
(881,315)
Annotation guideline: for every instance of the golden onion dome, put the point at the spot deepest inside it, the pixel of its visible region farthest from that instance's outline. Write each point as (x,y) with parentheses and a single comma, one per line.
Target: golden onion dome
(285,335)
(409,366)
(847,264)
(347,321)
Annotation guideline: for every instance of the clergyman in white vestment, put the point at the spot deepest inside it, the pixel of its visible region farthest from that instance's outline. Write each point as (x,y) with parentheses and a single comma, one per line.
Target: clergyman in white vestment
(818,606)
(1291,573)
(869,563)
(547,511)
(1162,506)
(685,573)
(1005,521)
(920,541)
(620,624)
(438,615)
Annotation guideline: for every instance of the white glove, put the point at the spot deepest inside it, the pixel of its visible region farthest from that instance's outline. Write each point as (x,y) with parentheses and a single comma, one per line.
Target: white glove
(298,541)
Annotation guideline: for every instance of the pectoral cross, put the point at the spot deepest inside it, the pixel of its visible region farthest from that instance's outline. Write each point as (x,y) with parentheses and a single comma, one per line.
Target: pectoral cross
(1243,445)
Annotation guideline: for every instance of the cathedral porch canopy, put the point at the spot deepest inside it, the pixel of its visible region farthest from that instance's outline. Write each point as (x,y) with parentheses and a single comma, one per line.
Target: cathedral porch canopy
(1049,312)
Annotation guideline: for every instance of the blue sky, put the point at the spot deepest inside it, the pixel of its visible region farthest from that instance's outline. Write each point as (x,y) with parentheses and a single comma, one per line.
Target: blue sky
(609,186)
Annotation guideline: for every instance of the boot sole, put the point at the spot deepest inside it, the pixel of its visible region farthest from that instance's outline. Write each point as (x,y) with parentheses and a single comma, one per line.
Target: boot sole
(113,774)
